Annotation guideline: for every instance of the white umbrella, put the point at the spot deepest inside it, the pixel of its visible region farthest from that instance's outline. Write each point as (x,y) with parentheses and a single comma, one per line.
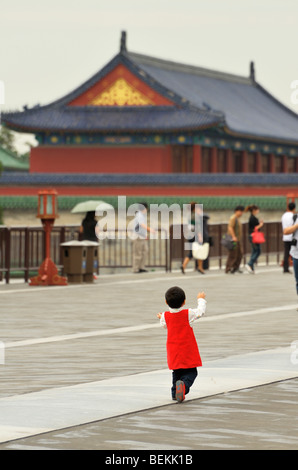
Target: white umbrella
(88,206)
(103,206)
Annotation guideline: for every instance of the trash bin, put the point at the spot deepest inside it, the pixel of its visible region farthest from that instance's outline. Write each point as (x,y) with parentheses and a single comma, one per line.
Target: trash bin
(74,258)
(91,260)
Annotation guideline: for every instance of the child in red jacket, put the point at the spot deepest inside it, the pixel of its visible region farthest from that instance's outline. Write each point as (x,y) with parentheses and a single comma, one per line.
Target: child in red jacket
(182,350)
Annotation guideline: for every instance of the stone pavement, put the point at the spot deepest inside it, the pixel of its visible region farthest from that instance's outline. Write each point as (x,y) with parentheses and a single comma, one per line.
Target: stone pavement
(84,366)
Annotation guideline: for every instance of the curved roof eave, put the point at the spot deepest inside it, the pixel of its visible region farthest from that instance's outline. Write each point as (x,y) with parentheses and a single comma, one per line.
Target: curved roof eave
(243,135)
(138,65)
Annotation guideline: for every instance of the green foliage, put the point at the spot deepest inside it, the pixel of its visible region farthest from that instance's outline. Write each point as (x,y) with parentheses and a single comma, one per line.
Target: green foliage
(7,139)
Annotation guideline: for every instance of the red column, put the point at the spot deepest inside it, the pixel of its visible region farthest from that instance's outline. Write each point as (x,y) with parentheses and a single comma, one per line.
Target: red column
(197,159)
(168,161)
(258,163)
(285,168)
(229,161)
(272,163)
(214,166)
(244,162)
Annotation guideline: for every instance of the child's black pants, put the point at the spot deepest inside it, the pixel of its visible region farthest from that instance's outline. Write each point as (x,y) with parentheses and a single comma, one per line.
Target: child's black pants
(188,376)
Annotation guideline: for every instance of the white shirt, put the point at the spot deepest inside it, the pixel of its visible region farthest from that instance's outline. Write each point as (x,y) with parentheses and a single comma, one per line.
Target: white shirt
(294,249)
(193,313)
(140,219)
(287,221)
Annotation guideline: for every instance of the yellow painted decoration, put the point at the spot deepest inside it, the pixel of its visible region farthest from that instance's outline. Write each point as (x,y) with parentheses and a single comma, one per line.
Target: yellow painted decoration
(121,93)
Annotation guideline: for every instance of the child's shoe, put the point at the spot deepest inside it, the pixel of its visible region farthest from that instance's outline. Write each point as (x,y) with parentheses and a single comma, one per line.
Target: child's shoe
(180,391)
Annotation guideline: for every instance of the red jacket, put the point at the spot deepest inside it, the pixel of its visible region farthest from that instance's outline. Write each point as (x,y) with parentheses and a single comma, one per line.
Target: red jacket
(182,348)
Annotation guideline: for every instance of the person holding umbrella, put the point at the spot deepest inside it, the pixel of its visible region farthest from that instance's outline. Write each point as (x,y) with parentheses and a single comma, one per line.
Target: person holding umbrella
(87,228)
(88,225)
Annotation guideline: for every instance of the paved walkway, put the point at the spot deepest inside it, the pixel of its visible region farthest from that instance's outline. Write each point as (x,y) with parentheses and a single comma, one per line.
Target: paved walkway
(84,366)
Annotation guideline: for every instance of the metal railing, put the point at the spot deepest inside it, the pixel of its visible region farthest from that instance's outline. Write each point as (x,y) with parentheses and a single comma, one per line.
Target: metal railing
(22,249)
(272,250)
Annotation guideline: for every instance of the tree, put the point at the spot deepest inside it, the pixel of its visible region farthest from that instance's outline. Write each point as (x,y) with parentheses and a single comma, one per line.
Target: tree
(7,140)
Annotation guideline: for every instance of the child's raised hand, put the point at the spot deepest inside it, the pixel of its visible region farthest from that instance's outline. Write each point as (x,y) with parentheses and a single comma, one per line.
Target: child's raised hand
(159,315)
(201,295)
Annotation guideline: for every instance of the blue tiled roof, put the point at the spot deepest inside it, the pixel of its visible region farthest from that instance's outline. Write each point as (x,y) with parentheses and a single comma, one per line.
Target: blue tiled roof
(125,119)
(171,179)
(202,98)
(248,108)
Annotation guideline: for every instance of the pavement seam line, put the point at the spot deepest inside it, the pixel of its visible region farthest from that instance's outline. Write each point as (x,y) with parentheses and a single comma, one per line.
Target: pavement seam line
(129,329)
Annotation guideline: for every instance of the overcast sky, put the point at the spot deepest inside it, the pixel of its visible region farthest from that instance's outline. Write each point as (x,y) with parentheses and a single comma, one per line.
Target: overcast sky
(48,48)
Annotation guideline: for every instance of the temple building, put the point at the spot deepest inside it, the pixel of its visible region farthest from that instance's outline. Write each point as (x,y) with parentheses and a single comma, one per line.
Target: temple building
(153,126)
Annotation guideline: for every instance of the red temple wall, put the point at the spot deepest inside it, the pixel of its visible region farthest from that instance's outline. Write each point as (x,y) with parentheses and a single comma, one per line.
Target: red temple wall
(101,159)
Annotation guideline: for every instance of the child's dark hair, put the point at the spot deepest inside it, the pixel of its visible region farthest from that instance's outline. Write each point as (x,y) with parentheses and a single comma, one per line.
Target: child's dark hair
(175,297)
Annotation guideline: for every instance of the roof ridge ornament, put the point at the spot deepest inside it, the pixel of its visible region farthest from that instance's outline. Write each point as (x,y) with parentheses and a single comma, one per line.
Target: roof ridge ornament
(252,71)
(123,42)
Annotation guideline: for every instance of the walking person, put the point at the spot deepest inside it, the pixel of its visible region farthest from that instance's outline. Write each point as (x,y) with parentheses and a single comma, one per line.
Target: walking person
(287,221)
(140,243)
(202,264)
(235,230)
(293,230)
(194,237)
(206,239)
(253,224)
